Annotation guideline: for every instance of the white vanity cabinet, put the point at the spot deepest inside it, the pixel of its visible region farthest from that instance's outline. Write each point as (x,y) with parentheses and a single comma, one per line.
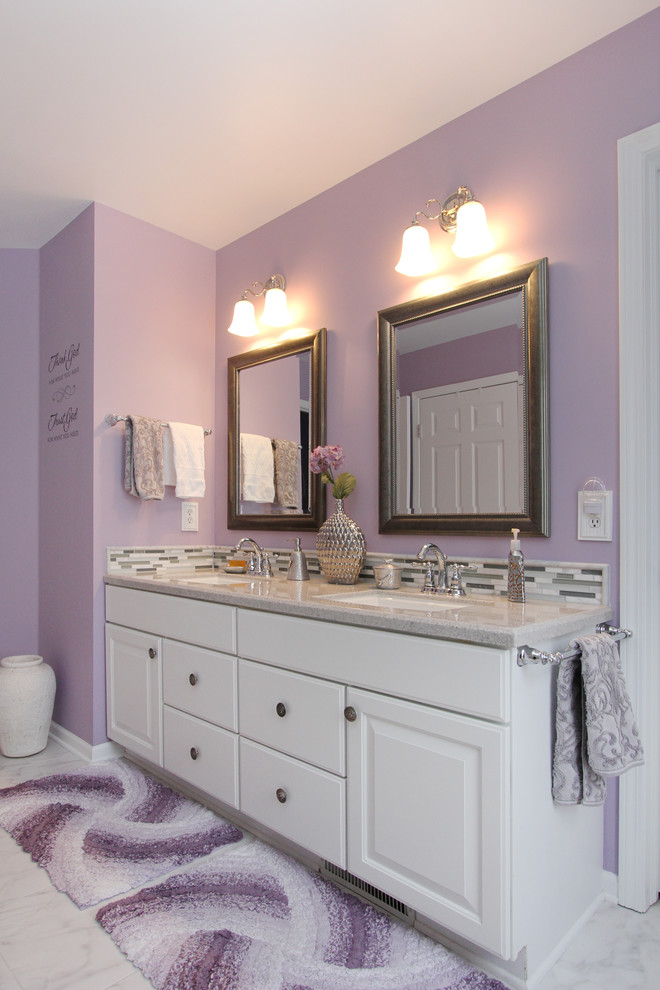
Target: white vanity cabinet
(428,810)
(171,699)
(419,765)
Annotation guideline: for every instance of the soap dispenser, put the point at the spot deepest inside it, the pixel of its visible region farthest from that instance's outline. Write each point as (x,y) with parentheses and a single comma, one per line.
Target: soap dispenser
(297,565)
(516,583)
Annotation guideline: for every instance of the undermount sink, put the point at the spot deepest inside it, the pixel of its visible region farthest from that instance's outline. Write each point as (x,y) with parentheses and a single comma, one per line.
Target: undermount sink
(221,578)
(419,602)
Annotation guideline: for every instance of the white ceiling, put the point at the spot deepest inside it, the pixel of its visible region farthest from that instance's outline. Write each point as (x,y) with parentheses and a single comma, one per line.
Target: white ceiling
(211,117)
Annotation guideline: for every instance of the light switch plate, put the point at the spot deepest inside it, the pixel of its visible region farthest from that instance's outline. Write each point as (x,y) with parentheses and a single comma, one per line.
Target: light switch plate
(594,526)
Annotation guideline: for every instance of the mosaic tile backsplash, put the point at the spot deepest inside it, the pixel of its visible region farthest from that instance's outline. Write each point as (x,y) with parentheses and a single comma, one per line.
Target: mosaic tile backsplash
(543,579)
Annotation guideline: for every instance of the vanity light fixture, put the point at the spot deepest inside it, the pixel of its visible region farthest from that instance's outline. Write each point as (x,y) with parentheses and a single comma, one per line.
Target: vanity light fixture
(460,212)
(275,312)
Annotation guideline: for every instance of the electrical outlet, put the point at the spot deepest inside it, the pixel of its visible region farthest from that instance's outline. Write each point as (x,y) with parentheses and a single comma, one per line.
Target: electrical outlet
(594,525)
(189,517)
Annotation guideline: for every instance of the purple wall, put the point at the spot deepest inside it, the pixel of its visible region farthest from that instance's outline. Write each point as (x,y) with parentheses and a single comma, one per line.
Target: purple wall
(542,157)
(19,488)
(133,307)
(66,428)
(491,353)
(155,356)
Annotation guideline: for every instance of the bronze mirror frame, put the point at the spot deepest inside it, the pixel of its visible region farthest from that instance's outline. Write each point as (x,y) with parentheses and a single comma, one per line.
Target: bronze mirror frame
(535,519)
(313,341)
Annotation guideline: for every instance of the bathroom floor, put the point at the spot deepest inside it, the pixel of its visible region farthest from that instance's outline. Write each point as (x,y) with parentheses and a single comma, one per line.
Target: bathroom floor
(46,943)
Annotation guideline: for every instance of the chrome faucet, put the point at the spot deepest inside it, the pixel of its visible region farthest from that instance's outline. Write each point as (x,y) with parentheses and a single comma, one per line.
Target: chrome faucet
(259,559)
(430,583)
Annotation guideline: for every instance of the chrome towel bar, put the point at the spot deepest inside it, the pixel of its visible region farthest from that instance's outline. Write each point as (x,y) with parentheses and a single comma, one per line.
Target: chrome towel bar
(526,654)
(112,419)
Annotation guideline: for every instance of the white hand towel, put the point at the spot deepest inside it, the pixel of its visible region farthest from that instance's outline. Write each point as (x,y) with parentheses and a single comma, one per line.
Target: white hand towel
(188,453)
(257,468)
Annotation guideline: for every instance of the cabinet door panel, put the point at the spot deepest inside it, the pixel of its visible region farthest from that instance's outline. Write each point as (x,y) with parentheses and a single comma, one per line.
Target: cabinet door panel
(133,690)
(427,799)
(202,754)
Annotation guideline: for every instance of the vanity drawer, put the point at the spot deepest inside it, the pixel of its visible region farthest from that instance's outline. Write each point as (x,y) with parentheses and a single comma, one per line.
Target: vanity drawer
(462,677)
(202,754)
(200,682)
(202,623)
(298,715)
(301,802)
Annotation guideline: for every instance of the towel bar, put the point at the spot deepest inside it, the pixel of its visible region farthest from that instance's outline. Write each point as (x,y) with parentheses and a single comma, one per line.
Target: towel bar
(526,654)
(112,419)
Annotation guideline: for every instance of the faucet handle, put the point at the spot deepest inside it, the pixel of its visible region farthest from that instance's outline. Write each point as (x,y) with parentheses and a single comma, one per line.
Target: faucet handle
(456,588)
(429,576)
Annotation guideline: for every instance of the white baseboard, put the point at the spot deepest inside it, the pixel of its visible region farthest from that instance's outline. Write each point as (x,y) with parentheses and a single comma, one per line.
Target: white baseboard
(611,886)
(78,746)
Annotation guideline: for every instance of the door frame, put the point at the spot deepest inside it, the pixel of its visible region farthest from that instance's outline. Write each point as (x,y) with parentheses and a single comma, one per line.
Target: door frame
(639,415)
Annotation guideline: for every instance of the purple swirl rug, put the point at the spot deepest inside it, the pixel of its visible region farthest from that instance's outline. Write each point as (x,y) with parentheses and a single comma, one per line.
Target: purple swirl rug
(251,918)
(108,828)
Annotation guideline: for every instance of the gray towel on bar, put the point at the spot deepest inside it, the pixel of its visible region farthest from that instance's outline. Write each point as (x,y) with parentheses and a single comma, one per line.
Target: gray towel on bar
(143,458)
(597,736)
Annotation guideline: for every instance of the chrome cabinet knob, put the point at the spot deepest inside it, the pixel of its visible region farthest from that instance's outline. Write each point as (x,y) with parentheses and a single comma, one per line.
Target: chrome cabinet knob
(280,708)
(152,652)
(194,752)
(281,795)
(193,678)
(350,714)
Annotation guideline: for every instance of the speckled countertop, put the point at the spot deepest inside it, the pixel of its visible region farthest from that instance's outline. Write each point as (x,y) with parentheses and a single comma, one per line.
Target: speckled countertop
(479,619)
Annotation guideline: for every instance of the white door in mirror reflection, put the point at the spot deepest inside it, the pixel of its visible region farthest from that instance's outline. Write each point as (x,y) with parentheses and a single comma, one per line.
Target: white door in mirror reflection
(467,440)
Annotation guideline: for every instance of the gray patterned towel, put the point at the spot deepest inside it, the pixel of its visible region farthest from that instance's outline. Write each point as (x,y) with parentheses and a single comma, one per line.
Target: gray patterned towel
(597,736)
(286,473)
(143,458)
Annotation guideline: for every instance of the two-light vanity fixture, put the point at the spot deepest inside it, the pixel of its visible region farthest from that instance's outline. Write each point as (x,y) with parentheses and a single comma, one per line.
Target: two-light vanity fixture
(460,212)
(275,312)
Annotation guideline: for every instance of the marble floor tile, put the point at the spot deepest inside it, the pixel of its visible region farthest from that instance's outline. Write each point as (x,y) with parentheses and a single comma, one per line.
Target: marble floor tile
(46,943)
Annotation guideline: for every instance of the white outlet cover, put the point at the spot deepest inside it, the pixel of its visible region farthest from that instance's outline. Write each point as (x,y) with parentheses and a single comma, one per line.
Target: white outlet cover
(586,530)
(189,517)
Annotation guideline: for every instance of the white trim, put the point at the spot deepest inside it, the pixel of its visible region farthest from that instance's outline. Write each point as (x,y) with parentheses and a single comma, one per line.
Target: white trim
(639,366)
(610,887)
(78,746)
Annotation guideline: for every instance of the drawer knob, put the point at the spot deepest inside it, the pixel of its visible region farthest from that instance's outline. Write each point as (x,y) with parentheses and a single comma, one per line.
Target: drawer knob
(194,752)
(280,708)
(350,714)
(280,794)
(152,652)
(193,679)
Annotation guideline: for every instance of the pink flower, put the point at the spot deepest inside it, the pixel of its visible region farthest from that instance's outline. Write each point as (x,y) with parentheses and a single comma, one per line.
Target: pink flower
(326,460)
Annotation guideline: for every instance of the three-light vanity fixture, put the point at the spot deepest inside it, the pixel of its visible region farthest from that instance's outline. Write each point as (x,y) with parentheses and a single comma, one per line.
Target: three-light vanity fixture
(460,212)
(275,312)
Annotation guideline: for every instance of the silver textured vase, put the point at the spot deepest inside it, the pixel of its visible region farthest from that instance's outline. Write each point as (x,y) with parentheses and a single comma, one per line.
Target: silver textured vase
(340,547)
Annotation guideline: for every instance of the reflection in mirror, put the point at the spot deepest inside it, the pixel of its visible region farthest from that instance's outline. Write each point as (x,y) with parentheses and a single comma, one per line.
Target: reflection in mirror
(463,419)
(276,417)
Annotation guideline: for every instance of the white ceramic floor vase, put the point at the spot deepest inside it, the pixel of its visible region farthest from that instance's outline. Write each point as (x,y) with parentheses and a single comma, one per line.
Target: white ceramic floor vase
(27,695)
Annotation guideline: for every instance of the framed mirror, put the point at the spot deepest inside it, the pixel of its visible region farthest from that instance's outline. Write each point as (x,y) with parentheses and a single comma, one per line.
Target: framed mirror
(276,417)
(463,409)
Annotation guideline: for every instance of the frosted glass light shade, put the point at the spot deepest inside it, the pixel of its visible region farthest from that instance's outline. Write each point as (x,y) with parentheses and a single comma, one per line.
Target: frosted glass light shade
(276,313)
(472,234)
(244,323)
(416,257)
